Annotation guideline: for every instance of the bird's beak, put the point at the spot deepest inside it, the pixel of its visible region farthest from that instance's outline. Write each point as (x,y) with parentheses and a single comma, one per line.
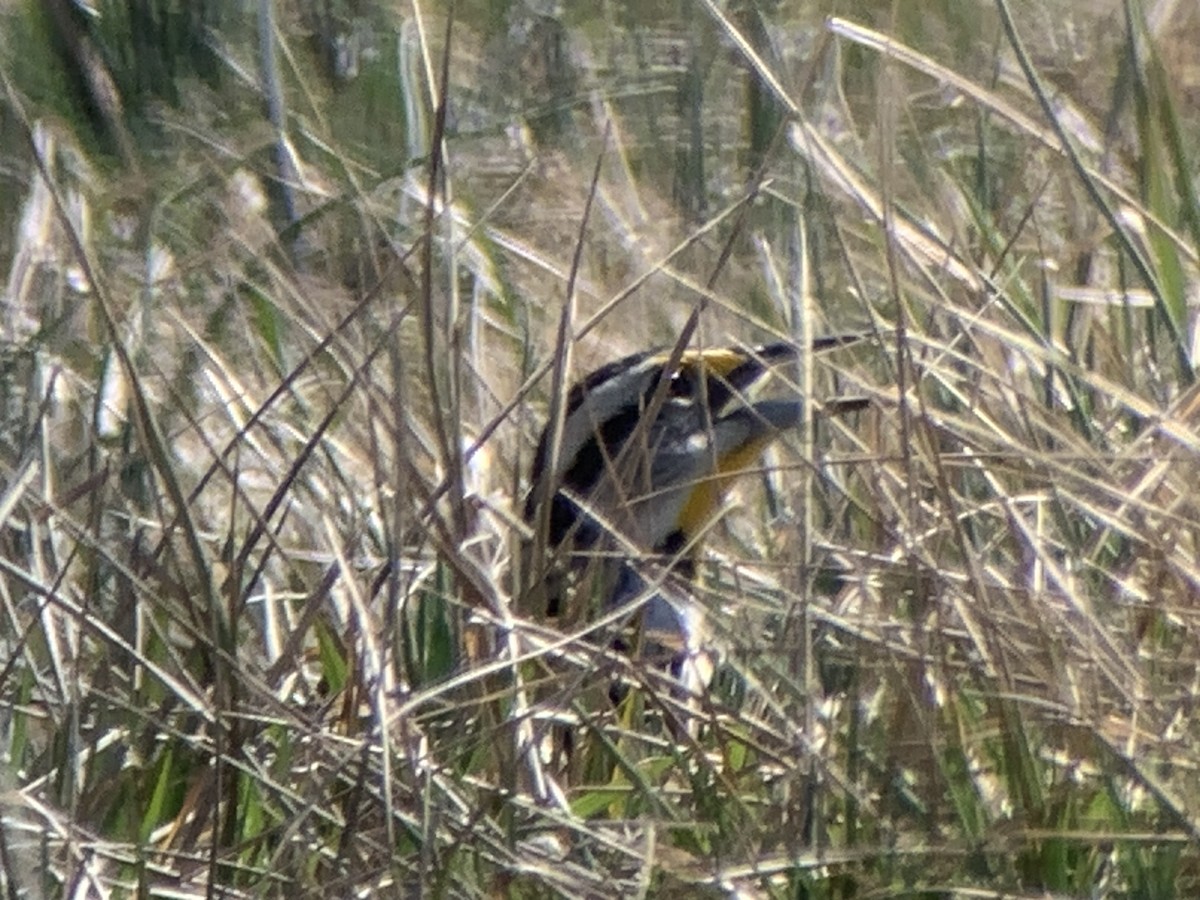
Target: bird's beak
(745,426)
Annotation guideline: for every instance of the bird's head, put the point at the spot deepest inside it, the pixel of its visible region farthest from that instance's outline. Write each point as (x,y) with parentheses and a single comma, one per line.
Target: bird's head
(650,447)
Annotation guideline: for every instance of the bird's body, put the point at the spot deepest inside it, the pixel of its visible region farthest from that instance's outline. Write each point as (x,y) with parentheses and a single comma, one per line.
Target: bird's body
(622,490)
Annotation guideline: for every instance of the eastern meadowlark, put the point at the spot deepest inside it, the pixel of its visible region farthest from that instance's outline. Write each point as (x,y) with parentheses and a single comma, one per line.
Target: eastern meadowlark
(621,494)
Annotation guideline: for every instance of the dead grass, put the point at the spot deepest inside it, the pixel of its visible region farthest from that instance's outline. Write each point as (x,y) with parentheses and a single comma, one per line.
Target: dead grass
(260,480)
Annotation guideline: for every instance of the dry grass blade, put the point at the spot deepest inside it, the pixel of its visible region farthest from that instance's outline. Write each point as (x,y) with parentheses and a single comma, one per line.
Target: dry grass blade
(263,626)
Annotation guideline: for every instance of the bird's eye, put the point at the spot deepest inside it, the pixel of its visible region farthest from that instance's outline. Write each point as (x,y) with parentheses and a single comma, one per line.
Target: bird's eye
(682,384)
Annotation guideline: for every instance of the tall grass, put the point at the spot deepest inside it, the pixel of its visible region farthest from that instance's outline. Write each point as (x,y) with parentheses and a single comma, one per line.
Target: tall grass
(276,353)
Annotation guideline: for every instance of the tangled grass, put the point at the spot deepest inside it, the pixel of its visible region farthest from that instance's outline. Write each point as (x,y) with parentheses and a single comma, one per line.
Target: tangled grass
(270,384)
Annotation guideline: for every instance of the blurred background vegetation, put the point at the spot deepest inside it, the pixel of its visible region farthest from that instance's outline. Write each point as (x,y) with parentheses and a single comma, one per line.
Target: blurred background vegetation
(282,289)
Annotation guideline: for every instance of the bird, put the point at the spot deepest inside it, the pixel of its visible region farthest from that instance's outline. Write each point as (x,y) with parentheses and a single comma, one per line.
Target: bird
(621,491)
